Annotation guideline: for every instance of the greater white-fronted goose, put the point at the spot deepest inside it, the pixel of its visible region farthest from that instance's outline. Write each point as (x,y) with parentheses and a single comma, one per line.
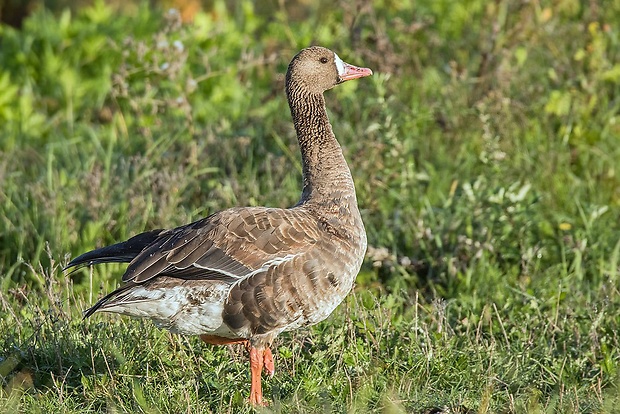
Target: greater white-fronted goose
(246,274)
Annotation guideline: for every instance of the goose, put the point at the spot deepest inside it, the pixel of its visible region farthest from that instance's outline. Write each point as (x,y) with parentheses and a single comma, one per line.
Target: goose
(246,274)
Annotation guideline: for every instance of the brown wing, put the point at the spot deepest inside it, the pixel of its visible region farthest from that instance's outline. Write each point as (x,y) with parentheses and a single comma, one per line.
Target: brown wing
(228,245)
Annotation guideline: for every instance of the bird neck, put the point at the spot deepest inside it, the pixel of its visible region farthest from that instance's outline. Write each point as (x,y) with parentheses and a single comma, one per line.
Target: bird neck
(326,176)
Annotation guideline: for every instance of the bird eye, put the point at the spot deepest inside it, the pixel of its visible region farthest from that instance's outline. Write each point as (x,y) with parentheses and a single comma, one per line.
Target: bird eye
(324,60)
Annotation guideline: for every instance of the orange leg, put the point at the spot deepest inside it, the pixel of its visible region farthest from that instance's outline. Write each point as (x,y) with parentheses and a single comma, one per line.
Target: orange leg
(259,359)
(256,366)
(220,340)
(269,367)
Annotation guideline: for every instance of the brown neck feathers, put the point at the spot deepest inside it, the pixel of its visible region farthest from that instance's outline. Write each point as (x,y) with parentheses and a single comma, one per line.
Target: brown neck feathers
(326,175)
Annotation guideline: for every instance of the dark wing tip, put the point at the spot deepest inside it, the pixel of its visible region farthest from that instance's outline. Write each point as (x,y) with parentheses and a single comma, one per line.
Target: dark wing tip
(123,252)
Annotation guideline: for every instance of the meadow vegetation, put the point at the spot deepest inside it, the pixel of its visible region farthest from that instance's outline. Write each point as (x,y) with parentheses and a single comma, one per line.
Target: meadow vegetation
(486,154)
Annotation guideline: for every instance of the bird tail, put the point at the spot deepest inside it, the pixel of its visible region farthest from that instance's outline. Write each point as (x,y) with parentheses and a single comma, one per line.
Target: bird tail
(101,302)
(123,252)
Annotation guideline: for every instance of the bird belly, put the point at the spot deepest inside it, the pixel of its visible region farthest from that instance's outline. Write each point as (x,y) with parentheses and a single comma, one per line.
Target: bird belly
(347,273)
(187,310)
(325,295)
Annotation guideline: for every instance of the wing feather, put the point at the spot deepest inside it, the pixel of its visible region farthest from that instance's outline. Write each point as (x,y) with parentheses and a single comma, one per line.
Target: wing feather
(234,243)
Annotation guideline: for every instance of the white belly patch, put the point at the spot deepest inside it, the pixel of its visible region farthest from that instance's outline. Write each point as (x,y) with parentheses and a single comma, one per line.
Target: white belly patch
(188,310)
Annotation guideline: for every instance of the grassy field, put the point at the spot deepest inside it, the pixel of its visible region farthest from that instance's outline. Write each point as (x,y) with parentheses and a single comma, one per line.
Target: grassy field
(486,154)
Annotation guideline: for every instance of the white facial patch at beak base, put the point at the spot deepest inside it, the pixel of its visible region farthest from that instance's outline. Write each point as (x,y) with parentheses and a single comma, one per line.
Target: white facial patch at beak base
(339,64)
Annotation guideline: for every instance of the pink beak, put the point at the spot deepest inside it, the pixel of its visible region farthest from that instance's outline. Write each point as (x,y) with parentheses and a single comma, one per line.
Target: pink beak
(353,72)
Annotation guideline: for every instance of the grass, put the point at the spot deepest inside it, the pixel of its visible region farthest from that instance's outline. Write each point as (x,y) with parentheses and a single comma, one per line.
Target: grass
(485,153)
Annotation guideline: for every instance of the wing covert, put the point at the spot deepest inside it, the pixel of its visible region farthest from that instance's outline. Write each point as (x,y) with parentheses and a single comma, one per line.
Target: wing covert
(229,245)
